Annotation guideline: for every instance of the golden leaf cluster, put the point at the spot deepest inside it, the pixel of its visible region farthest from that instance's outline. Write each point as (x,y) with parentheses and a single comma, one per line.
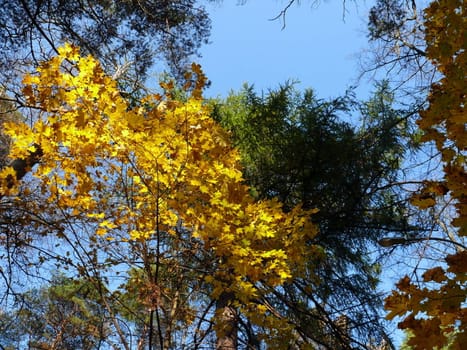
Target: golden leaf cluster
(445,120)
(153,169)
(440,309)
(434,310)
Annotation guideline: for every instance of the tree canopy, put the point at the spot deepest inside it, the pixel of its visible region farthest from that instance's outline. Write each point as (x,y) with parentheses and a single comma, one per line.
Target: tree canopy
(132,219)
(434,310)
(151,171)
(297,148)
(127,37)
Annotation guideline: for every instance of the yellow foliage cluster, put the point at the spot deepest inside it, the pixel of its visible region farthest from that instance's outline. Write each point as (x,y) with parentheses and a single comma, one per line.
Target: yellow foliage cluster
(443,308)
(444,122)
(437,316)
(152,169)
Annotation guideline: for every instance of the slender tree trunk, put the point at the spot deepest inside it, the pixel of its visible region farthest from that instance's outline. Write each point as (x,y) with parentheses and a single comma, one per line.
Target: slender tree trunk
(227,323)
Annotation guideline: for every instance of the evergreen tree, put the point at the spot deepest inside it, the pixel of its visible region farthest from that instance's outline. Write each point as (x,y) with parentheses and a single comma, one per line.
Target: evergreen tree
(298,148)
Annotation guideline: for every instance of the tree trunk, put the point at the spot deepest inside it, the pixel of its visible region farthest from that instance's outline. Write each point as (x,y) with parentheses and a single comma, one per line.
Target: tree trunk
(226,320)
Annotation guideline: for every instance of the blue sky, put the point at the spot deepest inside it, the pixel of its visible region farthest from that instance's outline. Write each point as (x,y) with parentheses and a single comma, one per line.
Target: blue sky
(318,47)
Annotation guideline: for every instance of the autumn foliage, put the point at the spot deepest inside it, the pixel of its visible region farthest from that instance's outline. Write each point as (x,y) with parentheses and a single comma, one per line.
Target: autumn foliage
(435,309)
(151,171)
(443,122)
